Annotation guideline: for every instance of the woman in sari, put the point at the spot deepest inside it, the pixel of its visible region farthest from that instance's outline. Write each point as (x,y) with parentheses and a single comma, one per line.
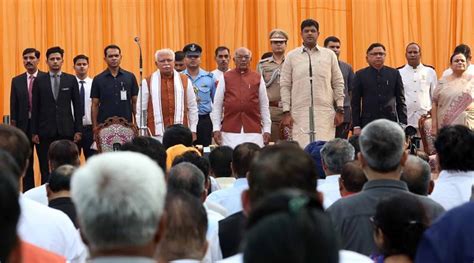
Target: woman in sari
(453,97)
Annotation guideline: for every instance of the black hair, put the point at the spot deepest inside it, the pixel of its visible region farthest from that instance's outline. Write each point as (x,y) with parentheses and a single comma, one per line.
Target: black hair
(454,146)
(31,50)
(112,46)
(194,158)
(52,50)
(402,220)
(290,226)
(60,178)
(10,207)
(309,23)
(179,55)
(353,177)
(465,49)
(417,175)
(149,147)
(177,134)
(281,166)
(81,56)
(455,54)
(187,177)
(62,152)
(331,39)
(15,142)
(374,45)
(220,160)
(221,48)
(413,43)
(242,157)
(354,140)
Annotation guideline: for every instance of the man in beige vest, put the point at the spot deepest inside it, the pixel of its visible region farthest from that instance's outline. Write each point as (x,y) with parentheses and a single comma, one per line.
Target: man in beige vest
(168,97)
(246,117)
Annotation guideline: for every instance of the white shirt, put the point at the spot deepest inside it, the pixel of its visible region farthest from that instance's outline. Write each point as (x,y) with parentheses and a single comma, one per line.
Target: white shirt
(453,188)
(229,198)
(213,252)
(449,71)
(345,256)
(50,229)
(86,120)
(218,75)
(38,194)
(234,139)
(330,190)
(419,85)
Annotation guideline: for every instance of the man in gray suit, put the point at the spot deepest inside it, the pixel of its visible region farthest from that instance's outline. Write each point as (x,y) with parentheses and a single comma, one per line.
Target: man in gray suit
(334,44)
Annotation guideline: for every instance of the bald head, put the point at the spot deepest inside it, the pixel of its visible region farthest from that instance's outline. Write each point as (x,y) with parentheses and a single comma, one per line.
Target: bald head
(417,174)
(242,58)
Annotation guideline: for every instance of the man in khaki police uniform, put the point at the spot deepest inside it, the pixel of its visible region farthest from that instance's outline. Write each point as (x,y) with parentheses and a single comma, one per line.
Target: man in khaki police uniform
(270,68)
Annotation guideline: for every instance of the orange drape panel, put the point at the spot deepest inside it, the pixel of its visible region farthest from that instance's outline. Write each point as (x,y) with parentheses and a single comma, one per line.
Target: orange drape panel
(87,26)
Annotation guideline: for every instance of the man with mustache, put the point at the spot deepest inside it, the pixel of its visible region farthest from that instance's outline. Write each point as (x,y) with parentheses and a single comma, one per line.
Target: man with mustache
(168,97)
(20,104)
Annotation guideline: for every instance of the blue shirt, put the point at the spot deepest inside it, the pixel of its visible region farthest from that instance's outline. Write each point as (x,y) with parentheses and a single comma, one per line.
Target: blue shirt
(204,85)
(450,239)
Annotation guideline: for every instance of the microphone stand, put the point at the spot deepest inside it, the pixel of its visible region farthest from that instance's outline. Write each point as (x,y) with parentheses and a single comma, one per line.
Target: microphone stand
(142,127)
(311,107)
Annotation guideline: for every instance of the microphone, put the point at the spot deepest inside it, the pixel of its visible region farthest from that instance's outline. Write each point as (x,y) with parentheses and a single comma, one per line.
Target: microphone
(137,39)
(143,112)
(311,107)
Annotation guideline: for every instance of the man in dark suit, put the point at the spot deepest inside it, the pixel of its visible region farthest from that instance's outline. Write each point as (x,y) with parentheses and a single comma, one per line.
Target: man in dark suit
(20,104)
(52,115)
(377,92)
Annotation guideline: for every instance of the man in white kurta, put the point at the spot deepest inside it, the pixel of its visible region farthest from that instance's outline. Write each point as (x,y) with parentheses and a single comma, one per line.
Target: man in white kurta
(240,112)
(295,88)
(168,98)
(419,82)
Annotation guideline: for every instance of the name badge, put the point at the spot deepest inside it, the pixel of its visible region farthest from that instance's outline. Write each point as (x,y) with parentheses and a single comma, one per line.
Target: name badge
(123,95)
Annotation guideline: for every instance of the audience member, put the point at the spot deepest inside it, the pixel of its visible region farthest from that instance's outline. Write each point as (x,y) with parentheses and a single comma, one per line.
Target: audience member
(399,223)
(40,225)
(149,147)
(314,149)
(119,206)
(449,239)
(417,175)
(12,248)
(60,152)
(334,154)
(186,226)
(220,160)
(290,226)
(354,140)
(352,178)
(229,198)
(177,134)
(454,146)
(189,178)
(382,156)
(58,190)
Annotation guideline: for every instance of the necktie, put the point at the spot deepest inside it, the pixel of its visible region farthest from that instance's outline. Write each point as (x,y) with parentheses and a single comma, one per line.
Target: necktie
(55,86)
(30,88)
(82,94)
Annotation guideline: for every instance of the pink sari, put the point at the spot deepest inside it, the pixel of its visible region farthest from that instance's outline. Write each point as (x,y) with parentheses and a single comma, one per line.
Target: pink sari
(454,98)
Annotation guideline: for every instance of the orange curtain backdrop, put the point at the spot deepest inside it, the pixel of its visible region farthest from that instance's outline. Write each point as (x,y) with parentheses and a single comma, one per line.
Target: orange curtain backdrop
(87,26)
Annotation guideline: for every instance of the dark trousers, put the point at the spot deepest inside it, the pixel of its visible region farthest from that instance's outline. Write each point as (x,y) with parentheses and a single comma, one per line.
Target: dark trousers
(342,131)
(29,178)
(204,131)
(86,142)
(42,150)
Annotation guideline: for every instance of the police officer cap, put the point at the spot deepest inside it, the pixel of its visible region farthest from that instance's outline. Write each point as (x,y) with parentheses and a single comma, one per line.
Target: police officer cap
(192,49)
(278,35)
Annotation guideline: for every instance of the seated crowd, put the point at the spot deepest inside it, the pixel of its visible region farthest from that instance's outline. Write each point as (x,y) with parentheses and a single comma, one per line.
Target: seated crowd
(365,199)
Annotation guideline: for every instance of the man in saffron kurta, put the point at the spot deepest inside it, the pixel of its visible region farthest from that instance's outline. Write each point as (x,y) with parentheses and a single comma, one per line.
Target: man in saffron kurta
(295,89)
(243,98)
(168,97)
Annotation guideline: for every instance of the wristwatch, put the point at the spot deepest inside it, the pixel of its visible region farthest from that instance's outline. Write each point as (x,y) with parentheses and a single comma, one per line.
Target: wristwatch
(340,110)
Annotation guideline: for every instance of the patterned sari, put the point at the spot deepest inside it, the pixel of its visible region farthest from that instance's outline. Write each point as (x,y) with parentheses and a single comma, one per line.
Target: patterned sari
(455,101)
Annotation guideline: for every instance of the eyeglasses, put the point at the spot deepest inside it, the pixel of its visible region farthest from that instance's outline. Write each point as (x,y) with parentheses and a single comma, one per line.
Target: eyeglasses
(382,54)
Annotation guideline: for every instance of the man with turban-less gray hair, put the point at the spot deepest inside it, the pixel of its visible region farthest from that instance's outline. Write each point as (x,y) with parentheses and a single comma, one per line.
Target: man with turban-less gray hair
(382,155)
(119,199)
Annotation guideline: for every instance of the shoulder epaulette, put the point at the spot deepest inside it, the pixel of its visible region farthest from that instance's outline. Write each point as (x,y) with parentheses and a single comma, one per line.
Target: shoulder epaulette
(429,66)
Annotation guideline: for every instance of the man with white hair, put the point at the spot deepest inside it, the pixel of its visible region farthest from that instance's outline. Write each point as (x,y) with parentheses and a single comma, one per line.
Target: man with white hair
(168,97)
(120,206)
(240,112)
(382,155)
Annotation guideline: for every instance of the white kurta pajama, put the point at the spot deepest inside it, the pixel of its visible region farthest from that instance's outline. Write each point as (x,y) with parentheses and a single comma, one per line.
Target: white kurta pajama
(179,103)
(233,139)
(328,92)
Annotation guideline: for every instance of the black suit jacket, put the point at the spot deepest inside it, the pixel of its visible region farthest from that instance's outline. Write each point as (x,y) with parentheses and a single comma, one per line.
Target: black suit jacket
(51,118)
(19,100)
(231,233)
(376,95)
